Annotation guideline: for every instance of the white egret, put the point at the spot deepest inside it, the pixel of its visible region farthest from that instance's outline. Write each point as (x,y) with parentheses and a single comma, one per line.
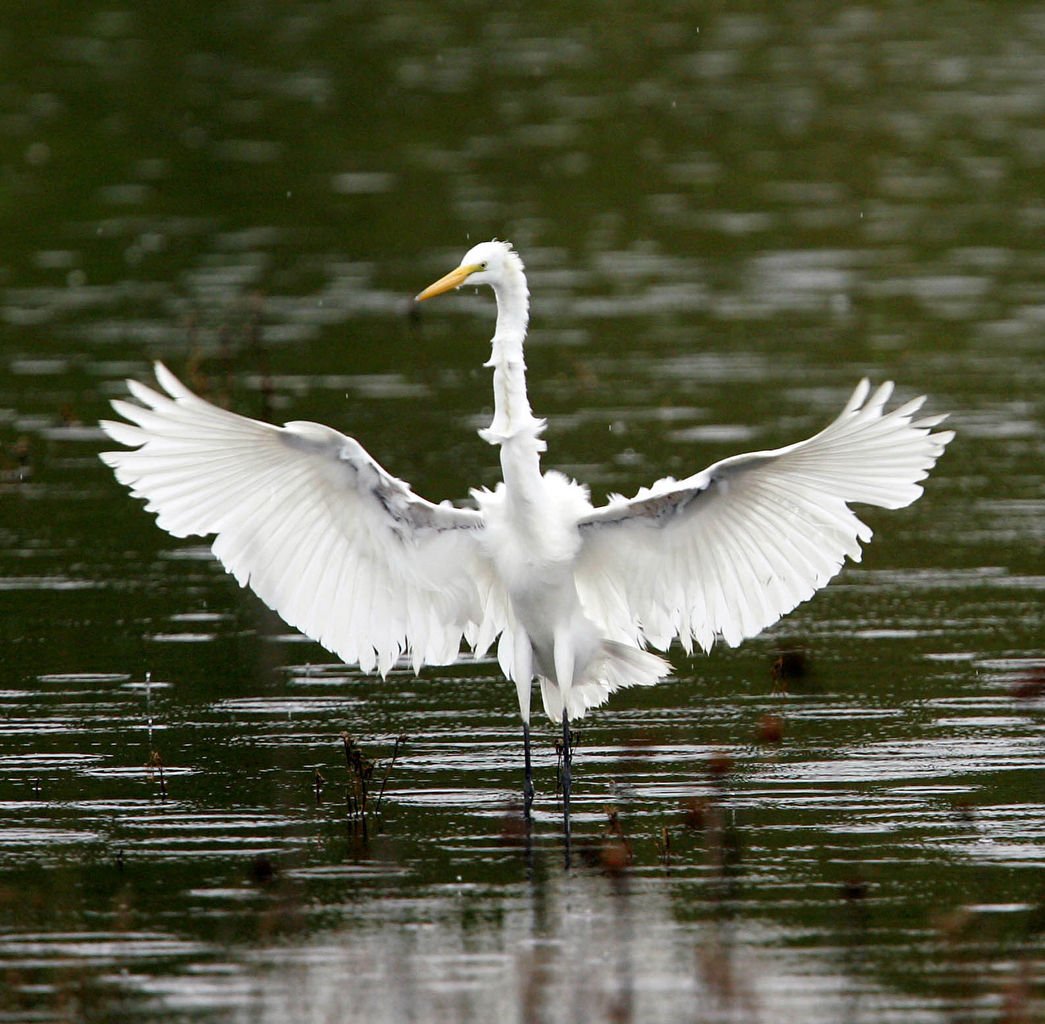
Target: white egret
(573,595)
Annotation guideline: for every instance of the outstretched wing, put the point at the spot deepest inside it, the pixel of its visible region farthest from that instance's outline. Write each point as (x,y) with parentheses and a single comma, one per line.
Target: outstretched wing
(730,550)
(312,524)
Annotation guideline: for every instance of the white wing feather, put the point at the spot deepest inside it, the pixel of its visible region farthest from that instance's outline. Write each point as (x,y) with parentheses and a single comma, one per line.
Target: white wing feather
(319,531)
(730,550)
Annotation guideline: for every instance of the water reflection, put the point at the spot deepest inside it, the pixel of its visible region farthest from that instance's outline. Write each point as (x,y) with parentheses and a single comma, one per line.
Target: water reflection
(689,902)
(566,948)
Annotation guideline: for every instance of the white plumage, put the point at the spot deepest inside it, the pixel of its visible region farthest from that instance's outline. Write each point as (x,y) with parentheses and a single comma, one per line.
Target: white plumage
(312,524)
(728,551)
(573,595)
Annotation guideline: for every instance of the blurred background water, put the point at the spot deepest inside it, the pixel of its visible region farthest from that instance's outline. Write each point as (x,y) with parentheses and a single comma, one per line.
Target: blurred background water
(729,213)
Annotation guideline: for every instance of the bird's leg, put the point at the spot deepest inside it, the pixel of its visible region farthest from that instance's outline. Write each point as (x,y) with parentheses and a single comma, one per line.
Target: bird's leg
(567,758)
(528,777)
(565,664)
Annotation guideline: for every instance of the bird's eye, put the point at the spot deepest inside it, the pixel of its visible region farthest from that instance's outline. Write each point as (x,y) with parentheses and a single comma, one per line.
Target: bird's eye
(483,265)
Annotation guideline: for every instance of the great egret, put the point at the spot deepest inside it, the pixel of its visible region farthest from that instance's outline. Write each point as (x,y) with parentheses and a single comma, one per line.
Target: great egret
(572,594)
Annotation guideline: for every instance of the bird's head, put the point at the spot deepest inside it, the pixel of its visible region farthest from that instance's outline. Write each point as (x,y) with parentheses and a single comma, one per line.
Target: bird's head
(494,263)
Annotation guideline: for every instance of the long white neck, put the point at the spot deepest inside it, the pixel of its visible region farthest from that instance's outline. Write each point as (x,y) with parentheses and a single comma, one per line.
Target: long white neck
(514,428)
(512,418)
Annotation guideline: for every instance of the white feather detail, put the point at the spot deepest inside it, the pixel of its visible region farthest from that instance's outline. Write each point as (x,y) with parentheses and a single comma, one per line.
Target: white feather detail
(352,557)
(726,552)
(615,666)
(311,523)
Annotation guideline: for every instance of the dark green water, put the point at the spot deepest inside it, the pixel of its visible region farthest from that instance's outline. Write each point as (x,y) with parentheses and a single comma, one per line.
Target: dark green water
(729,215)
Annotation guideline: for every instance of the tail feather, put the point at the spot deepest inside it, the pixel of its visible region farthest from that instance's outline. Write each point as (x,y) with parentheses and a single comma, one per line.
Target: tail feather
(615,666)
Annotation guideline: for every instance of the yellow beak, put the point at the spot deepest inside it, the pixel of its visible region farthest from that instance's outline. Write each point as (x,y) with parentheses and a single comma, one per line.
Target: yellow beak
(454,279)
